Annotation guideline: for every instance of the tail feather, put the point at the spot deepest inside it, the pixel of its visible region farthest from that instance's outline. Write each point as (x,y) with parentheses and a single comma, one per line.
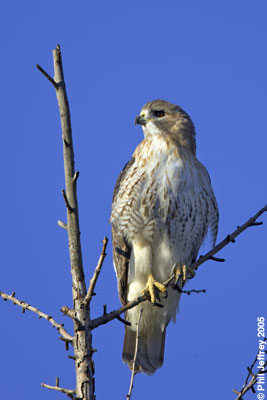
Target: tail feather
(150,354)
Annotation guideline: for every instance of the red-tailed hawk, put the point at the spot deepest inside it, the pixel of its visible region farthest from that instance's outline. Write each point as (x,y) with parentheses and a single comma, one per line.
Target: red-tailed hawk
(163,205)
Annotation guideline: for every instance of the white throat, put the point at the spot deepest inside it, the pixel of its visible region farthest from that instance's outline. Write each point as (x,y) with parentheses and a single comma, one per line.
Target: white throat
(151,129)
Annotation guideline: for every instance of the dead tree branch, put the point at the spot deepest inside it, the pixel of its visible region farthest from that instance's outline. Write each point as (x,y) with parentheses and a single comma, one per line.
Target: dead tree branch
(82,333)
(106,317)
(67,311)
(229,239)
(70,393)
(188,292)
(51,80)
(41,314)
(249,385)
(62,225)
(128,397)
(90,292)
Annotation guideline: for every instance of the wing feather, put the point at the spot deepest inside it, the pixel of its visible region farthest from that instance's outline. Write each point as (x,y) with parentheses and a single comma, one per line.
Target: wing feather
(121,249)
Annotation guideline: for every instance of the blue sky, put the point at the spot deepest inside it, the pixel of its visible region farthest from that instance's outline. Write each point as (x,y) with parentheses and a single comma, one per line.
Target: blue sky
(208,57)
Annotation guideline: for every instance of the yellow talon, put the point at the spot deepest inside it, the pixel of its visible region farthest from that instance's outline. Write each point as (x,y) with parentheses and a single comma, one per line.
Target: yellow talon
(183,271)
(150,288)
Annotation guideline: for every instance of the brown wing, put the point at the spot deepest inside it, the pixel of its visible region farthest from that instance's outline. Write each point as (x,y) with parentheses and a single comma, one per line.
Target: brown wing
(121,249)
(121,258)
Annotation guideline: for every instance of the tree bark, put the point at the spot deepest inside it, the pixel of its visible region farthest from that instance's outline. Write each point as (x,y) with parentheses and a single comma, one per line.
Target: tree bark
(82,333)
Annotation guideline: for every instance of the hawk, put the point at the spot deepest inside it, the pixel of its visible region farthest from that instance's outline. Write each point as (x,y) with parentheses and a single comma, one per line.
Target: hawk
(163,205)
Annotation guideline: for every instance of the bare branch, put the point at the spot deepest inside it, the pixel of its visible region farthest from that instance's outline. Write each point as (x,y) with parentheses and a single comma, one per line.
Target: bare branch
(90,292)
(256,223)
(62,225)
(229,238)
(82,333)
(124,321)
(51,80)
(76,176)
(250,384)
(70,393)
(216,259)
(194,291)
(105,318)
(67,311)
(66,201)
(26,306)
(66,341)
(135,355)
(114,314)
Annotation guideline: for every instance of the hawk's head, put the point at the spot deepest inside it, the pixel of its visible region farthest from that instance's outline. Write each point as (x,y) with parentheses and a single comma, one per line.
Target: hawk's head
(160,117)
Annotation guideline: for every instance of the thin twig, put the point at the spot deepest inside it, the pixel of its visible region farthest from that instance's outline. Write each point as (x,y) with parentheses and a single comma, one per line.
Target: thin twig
(69,208)
(67,311)
(250,384)
(65,341)
(47,76)
(123,321)
(229,238)
(217,259)
(115,313)
(26,306)
(106,317)
(76,176)
(90,292)
(68,392)
(135,355)
(194,291)
(62,225)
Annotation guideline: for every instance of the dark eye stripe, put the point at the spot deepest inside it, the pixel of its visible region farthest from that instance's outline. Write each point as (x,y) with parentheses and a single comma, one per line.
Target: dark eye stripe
(159,114)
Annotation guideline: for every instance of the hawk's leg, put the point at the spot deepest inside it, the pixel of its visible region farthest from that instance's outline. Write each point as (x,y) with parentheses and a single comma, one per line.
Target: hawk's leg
(182,273)
(152,287)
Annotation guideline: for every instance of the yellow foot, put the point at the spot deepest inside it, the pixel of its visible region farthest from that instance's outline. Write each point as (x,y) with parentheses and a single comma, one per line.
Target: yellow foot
(183,272)
(151,288)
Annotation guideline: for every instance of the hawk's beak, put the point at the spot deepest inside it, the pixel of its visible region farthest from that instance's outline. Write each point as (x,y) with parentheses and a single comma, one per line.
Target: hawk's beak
(139,120)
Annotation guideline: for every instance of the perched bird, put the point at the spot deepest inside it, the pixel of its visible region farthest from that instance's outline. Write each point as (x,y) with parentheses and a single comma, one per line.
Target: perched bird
(163,205)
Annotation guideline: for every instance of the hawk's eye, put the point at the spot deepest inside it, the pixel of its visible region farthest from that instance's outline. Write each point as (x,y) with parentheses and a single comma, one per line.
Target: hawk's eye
(159,114)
